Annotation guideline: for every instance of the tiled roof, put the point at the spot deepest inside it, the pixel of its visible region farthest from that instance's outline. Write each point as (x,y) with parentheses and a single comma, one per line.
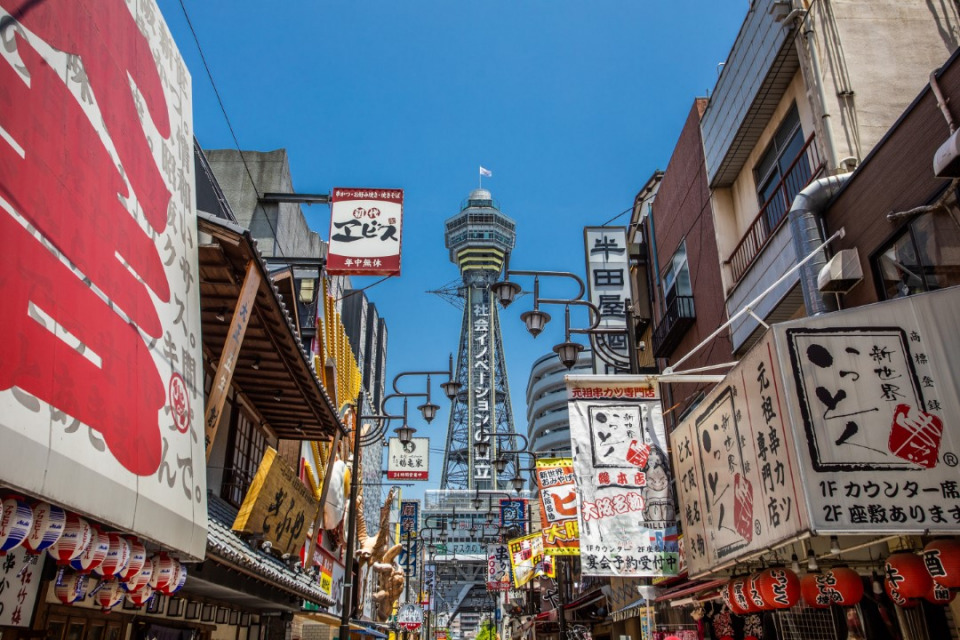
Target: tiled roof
(223,543)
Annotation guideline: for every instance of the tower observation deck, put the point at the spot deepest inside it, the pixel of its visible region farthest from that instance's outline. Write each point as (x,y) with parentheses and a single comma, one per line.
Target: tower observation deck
(480,239)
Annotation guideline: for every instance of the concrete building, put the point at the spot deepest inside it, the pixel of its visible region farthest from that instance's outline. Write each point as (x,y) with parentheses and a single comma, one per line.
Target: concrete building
(548,426)
(807,90)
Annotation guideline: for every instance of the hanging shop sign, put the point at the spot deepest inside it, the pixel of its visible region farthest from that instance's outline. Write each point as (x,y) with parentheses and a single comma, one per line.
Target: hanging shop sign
(365,226)
(409,518)
(831,424)
(410,617)
(558,506)
(627,507)
(499,574)
(526,558)
(101,377)
(608,286)
(410,461)
(513,513)
(277,505)
(20,582)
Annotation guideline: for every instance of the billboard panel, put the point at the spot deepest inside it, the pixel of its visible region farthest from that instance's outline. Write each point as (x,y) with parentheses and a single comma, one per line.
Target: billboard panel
(365,230)
(101,376)
(627,510)
(558,506)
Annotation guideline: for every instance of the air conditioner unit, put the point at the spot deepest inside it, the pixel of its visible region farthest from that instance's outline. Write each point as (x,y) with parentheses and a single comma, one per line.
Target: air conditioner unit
(946,161)
(842,273)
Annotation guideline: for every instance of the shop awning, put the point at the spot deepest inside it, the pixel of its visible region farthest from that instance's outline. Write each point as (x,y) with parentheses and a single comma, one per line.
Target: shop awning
(366,631)
(585,600)
(627,611)
(273,370)
(689,589)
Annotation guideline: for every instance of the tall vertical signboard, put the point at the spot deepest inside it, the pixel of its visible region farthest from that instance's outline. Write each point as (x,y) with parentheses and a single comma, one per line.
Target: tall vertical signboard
(101,376)
(558,506)
(627,511)
(482,400)
(608,286)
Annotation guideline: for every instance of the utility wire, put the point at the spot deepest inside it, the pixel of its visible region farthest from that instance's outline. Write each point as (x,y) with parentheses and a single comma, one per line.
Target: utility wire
(627,210)
(355,291)
(233,134)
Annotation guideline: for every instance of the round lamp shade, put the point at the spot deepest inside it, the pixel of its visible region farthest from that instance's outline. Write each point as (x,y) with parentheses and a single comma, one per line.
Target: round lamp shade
(109,594)
(897,597)
(94,555)
(779,588)
(16,519)
(336,504)
(177,581)
(70,588)
(141,597)
(942,559)
(754,598)
(844,586)
(76,537)
(908,575)
(118,555)
(138,558)
(140,581)
(738,596)
(812,591)
(48,523)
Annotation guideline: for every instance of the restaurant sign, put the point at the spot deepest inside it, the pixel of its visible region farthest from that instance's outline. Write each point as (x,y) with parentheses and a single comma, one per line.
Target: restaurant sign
(365,226)
(836,424)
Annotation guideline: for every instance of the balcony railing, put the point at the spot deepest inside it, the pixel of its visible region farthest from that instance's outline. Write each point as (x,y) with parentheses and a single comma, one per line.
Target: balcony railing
(805,168)
(676,320)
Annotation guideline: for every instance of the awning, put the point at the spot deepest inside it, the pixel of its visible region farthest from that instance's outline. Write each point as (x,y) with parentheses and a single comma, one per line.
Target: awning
(689,589)
(627,611)
(585,600)
(273,370)
(323,618)
(366,631)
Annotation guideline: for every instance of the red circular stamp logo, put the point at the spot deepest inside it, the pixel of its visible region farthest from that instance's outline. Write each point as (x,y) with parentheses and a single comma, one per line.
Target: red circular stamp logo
(179,403)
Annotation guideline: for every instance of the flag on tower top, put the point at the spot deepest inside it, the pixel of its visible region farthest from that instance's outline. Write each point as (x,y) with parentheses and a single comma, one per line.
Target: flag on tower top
(486,172)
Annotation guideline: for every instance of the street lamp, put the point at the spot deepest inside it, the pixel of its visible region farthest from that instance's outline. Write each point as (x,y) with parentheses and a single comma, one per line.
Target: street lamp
(567,351)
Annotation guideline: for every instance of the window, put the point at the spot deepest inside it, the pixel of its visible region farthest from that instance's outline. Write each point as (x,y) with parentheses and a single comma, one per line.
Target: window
(924,257)
(247,447)
(676,276)
(777,178)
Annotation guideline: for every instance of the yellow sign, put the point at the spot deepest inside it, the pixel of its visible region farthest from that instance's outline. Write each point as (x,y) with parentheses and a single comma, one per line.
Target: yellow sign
(277,505)
(526,558)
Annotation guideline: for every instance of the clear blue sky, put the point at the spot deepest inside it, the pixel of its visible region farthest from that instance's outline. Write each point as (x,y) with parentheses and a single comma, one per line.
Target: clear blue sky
(572,105)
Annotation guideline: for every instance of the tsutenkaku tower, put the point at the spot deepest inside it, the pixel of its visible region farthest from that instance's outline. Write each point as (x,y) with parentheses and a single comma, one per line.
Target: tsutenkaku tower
(480,239)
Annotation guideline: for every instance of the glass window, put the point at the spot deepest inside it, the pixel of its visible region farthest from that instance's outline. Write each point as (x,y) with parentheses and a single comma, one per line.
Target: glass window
(248,445)
(777,177)
(924,257)
(676,276)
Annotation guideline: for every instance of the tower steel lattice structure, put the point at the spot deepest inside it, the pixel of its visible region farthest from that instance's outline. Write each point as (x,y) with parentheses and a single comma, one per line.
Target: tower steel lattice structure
(479,239)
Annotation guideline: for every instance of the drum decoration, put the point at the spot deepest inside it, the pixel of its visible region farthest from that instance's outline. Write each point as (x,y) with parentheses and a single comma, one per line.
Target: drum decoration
(108,594)
(138,558)
(907,574)
(118,555)
(811,590)
(16,519)
(942,559)
(70,588)
(94,554)
(141,581)
(76,537)
(163,569)
(939,595)
(779,588)
(141,597)
(48,523)
(845,586)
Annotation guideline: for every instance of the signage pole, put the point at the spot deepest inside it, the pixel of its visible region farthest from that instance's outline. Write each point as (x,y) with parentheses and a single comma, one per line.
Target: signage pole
(561,614)
(347,602)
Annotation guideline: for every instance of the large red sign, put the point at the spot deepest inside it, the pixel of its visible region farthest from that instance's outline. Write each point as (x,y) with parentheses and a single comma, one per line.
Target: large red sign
(101,360)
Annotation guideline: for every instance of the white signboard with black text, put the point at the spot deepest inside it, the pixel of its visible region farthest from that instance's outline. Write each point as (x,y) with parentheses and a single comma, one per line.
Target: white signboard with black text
(608,287)
(408,461)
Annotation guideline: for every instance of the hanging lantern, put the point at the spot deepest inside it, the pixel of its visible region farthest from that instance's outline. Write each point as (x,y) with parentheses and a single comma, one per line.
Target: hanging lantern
(16,519)
(48,523)
(908,575)
(94,554)
(897,597)
(71,588)
(141,597)
(725,595)
(141,580)
(118,555)
(179,579)
(76,537)
(942,559)
(812,591)
(138,558)
(754,598)
(844,586)
(738,596)
(163,569)
(779,588)
(108,594)
(939,595)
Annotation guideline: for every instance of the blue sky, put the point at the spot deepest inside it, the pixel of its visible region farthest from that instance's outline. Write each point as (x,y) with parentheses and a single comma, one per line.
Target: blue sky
(572,105)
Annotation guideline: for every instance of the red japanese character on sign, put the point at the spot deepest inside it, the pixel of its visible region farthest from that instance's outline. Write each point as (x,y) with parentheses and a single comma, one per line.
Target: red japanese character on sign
(638,453)
(916,438)
(743,506)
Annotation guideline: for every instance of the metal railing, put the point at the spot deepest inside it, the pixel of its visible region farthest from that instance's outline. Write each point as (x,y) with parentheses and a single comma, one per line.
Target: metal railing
(805,168)
(677,318)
